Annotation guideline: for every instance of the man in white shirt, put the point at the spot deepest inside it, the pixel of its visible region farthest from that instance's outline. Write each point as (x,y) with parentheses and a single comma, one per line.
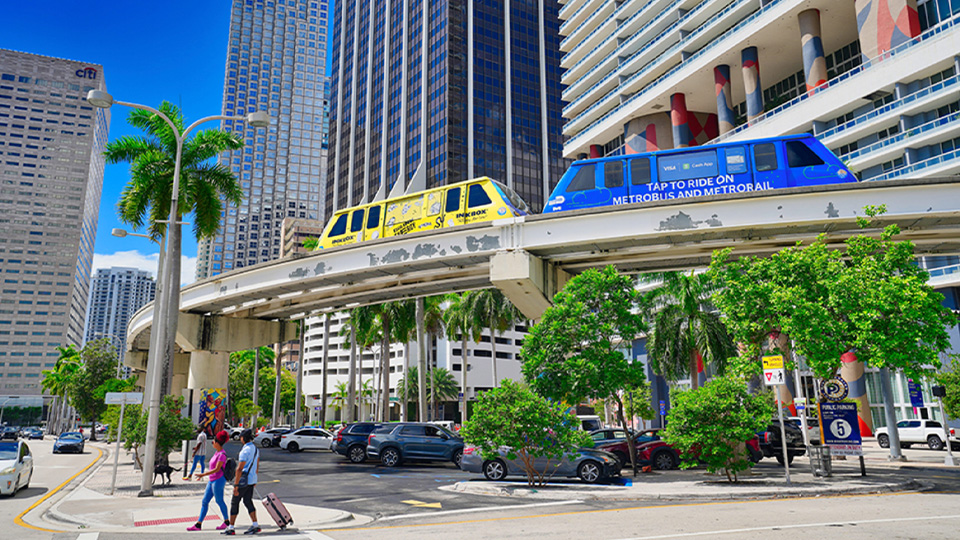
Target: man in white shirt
(199,454)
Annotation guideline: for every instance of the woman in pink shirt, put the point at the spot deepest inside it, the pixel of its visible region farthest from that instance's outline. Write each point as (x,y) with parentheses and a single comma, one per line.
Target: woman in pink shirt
(216,483)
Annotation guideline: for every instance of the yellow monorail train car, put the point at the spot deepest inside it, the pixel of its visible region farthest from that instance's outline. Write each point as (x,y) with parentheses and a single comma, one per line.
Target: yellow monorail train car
(470,201)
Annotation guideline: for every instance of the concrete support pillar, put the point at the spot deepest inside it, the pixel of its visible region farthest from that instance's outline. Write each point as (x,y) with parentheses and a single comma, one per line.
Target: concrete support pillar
(596,151)
(750,60)
(851,370)
(814,63)
(884,24)
(181,367)
(678,119)
(208,369)
(726,120)
(648,134)
(527,281)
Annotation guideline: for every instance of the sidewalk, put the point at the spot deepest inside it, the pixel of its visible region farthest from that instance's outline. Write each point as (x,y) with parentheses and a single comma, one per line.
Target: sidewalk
(173,507)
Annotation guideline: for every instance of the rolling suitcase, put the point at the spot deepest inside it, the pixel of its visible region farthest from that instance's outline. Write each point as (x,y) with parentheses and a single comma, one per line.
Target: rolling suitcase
(277,511)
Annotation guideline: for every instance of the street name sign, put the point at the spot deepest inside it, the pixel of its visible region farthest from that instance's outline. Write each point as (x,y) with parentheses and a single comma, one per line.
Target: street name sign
(123,398)
(773,372)
(840,429)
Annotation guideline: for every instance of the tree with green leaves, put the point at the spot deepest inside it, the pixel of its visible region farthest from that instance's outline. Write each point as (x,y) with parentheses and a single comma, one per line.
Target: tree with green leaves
(685,327)
(575,352)
(172,428)
(58,381)
(460,323)
(244,375)
(311,243)
(950,379)
(491,309)
(711,424)
(98,365)
(530,427)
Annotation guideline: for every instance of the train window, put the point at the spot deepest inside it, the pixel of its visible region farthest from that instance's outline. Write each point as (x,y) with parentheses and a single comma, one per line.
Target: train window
(584,179)
(477,196)
(340,226)
(765,157)
(373,218)
(801,155)
(453,201)
(639,171)
(613,174)
(356,220)
(736,160)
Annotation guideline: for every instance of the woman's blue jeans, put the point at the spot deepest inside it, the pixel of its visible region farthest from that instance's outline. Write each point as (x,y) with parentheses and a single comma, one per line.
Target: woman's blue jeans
(214,489)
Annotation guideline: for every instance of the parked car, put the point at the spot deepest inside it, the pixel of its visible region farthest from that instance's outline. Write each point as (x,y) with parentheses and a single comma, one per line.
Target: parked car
(71,441)
(589,464)
(394,443)
(16,467)
(601,437)
(929,432)
(771,445)
(9,434)
(657,453)
(306,438)
(590,422)
(352,441)
(234,431)
(813,427)
(266,438)
(32,433)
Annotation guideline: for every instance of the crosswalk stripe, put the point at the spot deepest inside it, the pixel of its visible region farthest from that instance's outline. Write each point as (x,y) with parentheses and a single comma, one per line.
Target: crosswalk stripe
(315,535)
(88,536)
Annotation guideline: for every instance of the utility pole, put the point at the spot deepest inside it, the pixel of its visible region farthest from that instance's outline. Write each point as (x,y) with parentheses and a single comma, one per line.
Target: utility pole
(301,364)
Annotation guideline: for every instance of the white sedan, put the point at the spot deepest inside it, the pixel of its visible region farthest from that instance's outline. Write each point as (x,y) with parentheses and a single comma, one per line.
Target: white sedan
(265,439)
(306,438)
(16,466)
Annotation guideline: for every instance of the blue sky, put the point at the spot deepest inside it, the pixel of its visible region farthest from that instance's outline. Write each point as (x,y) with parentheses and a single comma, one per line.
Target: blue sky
(151,51)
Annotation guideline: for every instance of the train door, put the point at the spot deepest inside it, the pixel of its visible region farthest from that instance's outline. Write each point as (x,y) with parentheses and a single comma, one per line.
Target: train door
(356,225)
(640,177)
(453,213)
(372,229)
(613,184)
(479,203)
(768,169)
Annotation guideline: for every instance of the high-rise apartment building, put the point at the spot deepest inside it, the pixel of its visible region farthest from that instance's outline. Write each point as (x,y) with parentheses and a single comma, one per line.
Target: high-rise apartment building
(51,177)
(276,62)
(432,93)
(875,80)
(115,295)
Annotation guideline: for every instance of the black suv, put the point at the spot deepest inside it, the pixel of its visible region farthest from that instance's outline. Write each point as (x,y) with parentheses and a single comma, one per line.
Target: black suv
(771,445)
(352,441)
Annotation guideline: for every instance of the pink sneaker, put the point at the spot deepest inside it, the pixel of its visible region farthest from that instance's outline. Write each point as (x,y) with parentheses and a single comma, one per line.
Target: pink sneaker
(195,527)
(222,526)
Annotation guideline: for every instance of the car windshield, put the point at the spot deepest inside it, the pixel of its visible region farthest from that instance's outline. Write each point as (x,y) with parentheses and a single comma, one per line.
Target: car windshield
(70,437)
(8,450)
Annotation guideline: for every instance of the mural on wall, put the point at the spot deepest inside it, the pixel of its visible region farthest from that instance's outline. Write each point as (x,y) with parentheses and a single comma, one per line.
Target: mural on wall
(213,410)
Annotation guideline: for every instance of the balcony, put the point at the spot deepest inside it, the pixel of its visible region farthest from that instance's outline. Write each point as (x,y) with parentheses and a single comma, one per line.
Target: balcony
(945,164)
(942,128)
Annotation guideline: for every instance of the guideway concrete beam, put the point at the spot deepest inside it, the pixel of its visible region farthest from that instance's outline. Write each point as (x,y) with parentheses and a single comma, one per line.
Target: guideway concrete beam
(528,281)
(226,334)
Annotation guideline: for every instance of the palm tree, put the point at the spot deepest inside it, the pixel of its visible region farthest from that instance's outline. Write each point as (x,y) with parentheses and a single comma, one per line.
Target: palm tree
(459,321)
(433,326)
(409,384)
(338,399)
(404,330)
(685,327)
(492,309)
(57,381)
(310,243)
(443,386)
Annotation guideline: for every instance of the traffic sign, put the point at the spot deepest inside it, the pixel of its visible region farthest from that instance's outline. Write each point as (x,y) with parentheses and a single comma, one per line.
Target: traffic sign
(773,372)
(800,403)
(123,398)
(663,407)
(840,429)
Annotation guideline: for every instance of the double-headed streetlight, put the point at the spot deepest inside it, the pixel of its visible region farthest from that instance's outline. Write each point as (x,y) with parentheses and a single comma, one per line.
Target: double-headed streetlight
(167,306)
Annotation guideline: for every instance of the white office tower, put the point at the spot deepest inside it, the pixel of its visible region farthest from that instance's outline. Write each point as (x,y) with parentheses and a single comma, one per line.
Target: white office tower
(51,176)
(276,62)
(115,295)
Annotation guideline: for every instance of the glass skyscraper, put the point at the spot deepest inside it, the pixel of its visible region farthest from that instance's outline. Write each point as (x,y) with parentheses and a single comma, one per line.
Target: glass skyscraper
(116,294)
(433,92)
(51,178)
(276,62)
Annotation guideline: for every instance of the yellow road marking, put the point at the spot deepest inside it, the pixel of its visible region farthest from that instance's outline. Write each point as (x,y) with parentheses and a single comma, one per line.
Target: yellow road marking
(653,507)
(19,519)
(421,504)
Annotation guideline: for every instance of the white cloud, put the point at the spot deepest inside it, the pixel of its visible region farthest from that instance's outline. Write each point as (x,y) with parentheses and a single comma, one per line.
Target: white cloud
(145,261)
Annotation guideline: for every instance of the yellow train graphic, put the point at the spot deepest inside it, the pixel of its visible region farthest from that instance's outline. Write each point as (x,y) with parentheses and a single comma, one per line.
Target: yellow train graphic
(470,201)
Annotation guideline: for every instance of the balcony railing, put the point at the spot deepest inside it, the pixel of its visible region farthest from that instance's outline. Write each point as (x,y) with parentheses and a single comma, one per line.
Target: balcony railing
(862,68)
(902,136)
(674,70)
(919,166)
(585,21)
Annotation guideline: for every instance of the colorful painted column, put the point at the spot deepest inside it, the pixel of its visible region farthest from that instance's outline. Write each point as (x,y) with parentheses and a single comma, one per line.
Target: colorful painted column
(648,134)
(884,24)
(814,63)
(596,151)
(678,119)
(701,373)
(726,120)
(851,370)
(751,82)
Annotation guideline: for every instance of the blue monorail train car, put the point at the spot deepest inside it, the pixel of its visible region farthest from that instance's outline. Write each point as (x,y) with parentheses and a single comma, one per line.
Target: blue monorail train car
(736,167)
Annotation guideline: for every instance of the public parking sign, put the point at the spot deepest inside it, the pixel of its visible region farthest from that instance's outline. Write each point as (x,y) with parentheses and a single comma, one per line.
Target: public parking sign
(840,429)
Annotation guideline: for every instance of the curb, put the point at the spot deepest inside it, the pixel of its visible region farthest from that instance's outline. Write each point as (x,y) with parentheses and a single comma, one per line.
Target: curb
(496,490)
(61,492)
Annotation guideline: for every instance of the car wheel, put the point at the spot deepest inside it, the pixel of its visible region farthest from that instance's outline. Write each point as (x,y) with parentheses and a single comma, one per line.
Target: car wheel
(883,440)
(494,470)
(789,459)
(235,436)
(390,457)
(934,442)
(357,454)
(664,461)
(457,457)
(623,458)
(266,443)
(293,447)
(589,472)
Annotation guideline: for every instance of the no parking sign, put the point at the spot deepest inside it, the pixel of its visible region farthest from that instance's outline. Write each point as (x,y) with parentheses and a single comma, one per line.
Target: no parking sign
(840,429)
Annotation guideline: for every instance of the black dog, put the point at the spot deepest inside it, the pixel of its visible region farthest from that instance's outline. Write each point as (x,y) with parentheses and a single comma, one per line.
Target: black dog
(163,470)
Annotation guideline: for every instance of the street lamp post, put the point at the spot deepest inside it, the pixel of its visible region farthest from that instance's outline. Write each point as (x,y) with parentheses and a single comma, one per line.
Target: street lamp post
(155,334)
(168,304)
